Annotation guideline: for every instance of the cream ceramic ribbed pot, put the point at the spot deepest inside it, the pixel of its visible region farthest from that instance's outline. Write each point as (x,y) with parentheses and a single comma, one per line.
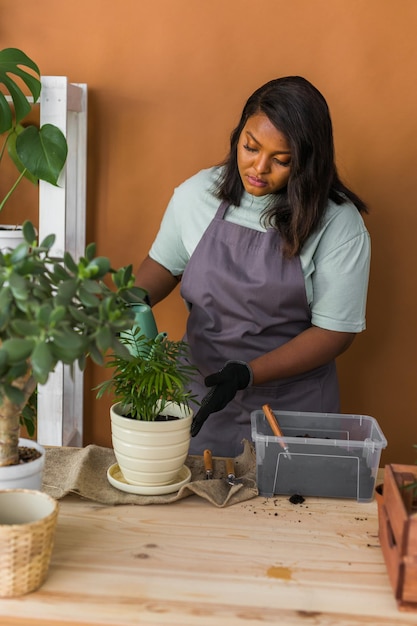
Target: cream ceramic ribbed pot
(151,453)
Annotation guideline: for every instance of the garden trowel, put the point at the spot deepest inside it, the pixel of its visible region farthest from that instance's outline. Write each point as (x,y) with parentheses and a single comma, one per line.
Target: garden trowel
(230,471)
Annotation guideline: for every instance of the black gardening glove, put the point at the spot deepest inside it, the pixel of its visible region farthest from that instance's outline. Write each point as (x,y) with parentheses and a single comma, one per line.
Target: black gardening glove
(235,375)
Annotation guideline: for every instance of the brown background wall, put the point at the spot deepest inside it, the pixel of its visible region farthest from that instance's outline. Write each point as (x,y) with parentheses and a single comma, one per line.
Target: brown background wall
(167,80)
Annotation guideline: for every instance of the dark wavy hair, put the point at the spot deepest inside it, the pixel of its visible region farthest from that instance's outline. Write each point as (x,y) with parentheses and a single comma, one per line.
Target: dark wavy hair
(299,111)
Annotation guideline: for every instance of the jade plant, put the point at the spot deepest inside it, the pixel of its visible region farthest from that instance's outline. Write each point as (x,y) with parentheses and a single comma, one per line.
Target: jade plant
(37,153)
(55,309)
(155,372)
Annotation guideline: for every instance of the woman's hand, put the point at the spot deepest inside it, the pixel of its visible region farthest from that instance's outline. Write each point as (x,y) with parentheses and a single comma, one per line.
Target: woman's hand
(225,383)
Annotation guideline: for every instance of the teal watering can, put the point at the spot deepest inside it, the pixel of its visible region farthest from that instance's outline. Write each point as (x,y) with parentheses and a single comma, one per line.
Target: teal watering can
(145,321)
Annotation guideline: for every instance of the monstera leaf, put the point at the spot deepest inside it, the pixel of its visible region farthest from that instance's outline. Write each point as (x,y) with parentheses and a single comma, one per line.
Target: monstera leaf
(37,153)
(12,61)
(42,152)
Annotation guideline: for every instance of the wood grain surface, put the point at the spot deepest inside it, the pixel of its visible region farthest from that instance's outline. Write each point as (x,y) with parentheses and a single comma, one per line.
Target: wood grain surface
(260,562)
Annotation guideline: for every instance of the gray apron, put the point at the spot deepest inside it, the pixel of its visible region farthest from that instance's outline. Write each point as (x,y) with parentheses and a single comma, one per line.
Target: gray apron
(246,299)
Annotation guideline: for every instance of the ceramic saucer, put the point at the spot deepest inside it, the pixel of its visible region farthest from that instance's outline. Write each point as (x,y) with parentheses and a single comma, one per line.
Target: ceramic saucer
(116,478)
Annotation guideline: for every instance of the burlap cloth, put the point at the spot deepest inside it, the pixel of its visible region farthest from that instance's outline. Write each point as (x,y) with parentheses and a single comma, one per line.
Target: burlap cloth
(83,471)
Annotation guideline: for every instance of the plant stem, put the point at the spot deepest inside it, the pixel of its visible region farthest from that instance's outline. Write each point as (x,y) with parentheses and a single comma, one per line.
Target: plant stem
(3,148)
(9,193)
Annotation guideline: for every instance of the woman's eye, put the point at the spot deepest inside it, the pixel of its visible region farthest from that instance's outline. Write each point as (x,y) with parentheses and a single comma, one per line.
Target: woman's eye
(282,163)
(277,161)
(249,148)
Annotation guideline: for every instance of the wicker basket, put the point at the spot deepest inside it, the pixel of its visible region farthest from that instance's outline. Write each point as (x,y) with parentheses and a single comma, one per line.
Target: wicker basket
(27,526)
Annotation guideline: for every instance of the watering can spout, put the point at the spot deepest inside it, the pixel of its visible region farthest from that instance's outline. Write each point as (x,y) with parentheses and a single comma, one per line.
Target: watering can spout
(144,318)
(145,321)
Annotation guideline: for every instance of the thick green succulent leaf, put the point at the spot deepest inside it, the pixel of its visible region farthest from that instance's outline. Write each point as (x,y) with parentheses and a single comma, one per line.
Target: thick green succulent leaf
(66,292)
(25,328)
(42,362)
(19,253)
(17,370)
(18,286)
(70,263)
(122,276)
(14,394)
(43,152)
(99,267)
(90,251)
(4,359)
(29,232)
(67,345)
(96,355)
(80,316)
(4,318)
(60,273)
(12,61)
(92,286)
(43,314)
(104,338)
(134,295)
(29,414)
(18,349)
(120,349)
(57,315)
(5,298)
(87,298)
(48,242)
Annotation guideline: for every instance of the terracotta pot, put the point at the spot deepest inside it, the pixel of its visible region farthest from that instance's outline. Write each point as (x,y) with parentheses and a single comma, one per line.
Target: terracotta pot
(379,494)
(398,533)
(151,453)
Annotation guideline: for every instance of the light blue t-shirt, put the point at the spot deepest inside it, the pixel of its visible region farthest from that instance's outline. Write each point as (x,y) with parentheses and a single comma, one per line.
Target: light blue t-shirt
(335,259)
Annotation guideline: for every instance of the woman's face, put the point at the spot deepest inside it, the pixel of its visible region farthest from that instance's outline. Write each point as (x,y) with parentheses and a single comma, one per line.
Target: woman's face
(263,157)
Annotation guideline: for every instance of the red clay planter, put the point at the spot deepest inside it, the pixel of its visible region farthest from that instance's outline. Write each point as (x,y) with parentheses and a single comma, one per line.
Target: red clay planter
(398,532)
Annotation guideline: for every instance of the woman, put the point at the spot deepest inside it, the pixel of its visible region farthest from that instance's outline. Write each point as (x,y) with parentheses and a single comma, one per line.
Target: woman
(273,258)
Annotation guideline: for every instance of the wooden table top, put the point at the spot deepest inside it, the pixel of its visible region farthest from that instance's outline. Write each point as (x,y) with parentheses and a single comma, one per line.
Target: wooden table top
(260,562)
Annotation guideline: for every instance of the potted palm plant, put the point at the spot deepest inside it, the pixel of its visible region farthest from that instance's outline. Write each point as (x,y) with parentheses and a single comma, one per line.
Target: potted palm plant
(397,515)
(36,153)
(151,418)
(53,309)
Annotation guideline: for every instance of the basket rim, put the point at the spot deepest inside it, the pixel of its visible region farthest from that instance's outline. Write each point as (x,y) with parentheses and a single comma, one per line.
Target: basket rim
(23,527)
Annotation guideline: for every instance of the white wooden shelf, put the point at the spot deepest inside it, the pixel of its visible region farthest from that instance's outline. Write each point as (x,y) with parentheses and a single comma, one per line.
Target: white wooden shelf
(62,211)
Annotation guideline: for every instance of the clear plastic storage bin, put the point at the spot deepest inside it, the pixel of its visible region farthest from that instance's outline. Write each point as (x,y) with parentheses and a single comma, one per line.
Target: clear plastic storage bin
(332,455)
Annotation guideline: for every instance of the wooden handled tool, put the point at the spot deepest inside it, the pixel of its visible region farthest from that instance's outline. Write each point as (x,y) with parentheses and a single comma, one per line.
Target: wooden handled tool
(230,468)
(208,464)
(230,471)
(275,427)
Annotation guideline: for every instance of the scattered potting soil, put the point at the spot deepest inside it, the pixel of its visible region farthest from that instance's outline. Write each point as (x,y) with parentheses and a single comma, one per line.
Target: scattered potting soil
(296,499)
